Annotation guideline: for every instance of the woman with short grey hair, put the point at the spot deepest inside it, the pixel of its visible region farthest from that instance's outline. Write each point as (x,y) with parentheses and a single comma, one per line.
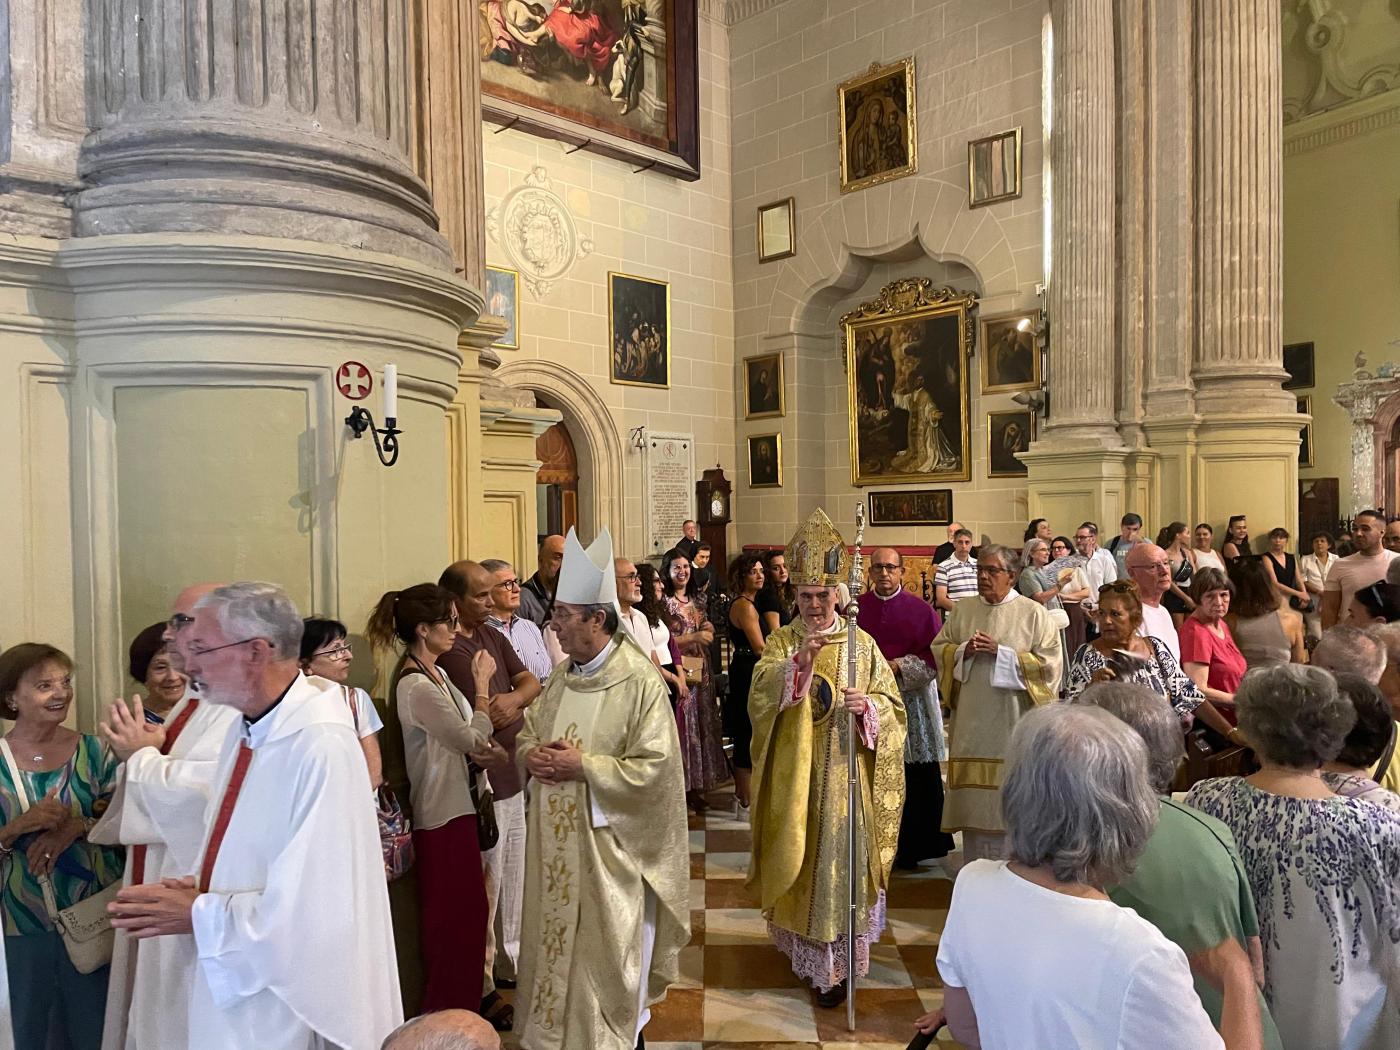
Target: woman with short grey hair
(1035,940)
(1324,869)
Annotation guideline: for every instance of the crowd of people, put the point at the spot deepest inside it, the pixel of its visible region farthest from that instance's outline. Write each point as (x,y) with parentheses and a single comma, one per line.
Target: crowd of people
(243,850)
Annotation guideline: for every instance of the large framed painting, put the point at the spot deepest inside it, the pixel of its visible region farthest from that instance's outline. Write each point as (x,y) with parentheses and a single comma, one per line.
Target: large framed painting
(912,507)
(1008,433)
(878,125)
(639,320)
(616,77)
(503,300)
(906,384)
(1010,358)
(763,386)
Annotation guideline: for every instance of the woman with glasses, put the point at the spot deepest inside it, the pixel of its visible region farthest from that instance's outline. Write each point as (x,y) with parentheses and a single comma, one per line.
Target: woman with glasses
(326,653)
(440,733)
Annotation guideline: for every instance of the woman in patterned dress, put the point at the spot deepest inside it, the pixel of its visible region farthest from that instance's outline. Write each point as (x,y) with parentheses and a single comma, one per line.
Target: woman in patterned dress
(1324,869)
(697,717)
(68,779)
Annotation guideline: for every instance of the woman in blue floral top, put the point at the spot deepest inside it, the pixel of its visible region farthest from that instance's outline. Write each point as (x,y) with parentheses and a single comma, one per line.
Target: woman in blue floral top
(68,778)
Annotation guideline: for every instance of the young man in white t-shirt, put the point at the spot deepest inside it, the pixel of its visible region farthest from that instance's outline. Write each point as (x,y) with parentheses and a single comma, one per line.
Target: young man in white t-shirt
(1356,571)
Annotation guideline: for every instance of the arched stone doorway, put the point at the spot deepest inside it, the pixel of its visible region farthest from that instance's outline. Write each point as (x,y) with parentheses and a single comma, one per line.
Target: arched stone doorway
(556,483)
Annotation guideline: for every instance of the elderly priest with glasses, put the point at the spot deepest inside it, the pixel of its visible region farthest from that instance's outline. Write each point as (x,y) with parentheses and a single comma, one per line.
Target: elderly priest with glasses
(607,860)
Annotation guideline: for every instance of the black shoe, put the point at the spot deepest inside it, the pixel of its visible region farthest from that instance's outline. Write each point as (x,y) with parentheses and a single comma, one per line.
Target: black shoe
(504,982)
(832,997)
(641,1041)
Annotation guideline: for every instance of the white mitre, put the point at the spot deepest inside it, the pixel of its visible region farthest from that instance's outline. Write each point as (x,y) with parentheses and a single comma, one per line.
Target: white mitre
(587,577)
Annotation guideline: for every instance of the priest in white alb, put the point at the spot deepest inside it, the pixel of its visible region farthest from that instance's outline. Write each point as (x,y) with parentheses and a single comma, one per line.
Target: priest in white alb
(285,904)
(149,986)
(607,861)
(999,655)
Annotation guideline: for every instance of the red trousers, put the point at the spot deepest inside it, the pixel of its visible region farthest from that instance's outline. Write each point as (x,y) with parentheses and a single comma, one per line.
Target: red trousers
(452,916)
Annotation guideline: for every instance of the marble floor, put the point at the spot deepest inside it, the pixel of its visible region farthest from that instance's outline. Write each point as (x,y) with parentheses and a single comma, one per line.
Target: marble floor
(737,991)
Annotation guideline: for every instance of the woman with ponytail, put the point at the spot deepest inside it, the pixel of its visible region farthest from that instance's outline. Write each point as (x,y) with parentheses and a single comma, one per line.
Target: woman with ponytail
(440,733)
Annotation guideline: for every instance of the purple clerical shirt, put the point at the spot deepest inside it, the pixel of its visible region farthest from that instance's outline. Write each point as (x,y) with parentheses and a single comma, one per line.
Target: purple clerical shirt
(903,625)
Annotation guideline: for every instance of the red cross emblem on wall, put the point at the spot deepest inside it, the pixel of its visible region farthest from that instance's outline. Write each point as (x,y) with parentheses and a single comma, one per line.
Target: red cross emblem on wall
(354,380)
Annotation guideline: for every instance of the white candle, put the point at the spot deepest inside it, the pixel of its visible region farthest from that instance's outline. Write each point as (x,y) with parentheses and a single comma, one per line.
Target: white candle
(391,392)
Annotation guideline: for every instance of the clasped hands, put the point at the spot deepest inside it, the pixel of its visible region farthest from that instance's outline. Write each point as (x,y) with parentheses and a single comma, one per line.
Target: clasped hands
(157,909)
(57,827)
(982,642)
(127,730)
(554,763)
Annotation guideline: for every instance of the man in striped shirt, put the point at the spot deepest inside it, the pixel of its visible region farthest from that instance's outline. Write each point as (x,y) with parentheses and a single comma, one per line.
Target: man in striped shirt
(956,578)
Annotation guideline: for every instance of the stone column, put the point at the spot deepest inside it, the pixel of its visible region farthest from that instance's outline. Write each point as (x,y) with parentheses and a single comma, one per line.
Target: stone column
(1080,453)
(1247,441)
(230,117)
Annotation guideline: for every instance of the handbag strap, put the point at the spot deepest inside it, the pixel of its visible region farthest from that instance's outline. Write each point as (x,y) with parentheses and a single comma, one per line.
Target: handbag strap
(172,733)
(1384,763)
(354,708)
(230,799)
(45,883)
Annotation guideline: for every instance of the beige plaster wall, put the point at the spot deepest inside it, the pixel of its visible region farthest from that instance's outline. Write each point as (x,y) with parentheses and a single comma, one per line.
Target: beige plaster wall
(979,72)
(652,226)
(1341,275)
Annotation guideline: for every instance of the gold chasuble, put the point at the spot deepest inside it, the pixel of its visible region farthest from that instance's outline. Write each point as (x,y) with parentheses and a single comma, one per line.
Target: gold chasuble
(988,695)
(607,864)
(800,793)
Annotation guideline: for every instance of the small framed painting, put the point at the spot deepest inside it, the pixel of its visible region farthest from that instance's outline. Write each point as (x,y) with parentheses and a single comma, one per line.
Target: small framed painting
(914,507)
(1010,358)
(503,300)
(994,168)
(879,140)
(766,461)
(1007,434)
(777,231)
(1305,433)
(1298,363)
(639,321)
(763,386)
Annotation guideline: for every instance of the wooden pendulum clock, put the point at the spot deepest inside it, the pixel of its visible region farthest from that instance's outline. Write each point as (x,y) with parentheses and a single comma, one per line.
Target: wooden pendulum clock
(712,516)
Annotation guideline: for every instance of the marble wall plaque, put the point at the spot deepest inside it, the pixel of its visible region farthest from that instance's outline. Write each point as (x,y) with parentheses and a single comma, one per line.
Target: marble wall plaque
(669,472)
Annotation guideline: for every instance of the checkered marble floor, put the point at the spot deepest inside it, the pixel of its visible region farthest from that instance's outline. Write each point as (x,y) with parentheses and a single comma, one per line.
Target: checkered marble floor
(738,991)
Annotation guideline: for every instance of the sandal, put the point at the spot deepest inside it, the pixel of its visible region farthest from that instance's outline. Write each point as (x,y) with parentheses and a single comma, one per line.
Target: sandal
(499,1012)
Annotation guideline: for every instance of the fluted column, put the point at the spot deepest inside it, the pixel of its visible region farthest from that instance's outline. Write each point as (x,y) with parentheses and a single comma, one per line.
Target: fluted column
(285,118)
(1081,144)
(1239,170)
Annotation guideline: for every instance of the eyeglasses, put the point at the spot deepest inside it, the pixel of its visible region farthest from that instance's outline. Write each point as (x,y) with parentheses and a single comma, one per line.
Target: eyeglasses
(990,570)
(1119,587)
(631,576)
(179,620)
(196,651)
(452,621)
(883,567)
(338,653)
(510,585)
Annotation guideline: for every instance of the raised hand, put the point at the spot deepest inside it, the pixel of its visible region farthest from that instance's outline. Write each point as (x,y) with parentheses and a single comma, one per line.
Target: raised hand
(127,730)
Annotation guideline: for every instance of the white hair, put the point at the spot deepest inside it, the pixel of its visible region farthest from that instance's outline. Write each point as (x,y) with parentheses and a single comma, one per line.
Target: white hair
(1348,648)
(257,610)
(1151,717)
(1009,561)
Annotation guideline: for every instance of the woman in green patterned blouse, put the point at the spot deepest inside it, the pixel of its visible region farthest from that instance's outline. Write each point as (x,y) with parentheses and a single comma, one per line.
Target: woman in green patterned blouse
(68,778)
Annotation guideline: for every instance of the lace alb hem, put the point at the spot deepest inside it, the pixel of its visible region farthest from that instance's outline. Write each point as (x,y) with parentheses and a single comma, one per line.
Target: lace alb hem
(824,963)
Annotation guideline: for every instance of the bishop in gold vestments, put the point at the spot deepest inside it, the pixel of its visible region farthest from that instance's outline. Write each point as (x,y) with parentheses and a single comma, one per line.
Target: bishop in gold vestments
(800,786)
(607,863)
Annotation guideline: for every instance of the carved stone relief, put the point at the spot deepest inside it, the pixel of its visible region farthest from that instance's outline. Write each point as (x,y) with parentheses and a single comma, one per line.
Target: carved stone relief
(1337,51)
(538,232)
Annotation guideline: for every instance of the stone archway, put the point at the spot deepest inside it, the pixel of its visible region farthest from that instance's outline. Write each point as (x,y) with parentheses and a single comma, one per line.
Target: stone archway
(596,439)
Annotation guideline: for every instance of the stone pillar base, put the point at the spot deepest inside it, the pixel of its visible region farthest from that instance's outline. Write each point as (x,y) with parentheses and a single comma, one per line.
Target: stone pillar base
(1248,465)
(1067,486)
(1173,441)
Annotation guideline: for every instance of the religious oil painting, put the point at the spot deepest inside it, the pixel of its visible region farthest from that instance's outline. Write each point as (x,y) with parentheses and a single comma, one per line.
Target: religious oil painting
(1007,434)
(1305,433)
(994,168)
(766,461)
(777,231)
(503,300)
(616,77)
(878,126)
(1010,358)
(907,385)
(639,320)
(1298,362)
(763,386)
(912,507)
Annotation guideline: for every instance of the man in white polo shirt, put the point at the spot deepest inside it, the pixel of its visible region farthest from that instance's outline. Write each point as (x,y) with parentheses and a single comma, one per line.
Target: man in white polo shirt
(1149,567)
(956,578)
(1356,571)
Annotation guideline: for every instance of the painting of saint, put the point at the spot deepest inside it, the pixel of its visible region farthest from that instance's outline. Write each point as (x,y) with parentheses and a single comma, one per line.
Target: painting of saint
(763,386)
(1007,434)
(766,461)
(877,125)
(1010,357)
(596,72)
(639,318)
(503,300)
(907,392)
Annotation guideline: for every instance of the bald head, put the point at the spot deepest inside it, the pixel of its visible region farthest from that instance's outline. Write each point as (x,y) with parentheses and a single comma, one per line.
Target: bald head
(444,1030)
(1151,570)
(551,557)
(181,616)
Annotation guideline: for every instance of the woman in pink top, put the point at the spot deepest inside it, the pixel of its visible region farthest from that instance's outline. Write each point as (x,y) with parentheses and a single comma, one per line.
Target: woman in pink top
(1209,655)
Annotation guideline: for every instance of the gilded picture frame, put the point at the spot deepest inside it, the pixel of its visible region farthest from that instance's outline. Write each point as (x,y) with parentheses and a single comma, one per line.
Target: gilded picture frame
(877,122)
(1010,356)
(765,461)
(503,300)
(908,406)
(911,507)
(639,331)
(1305,433)
(994,169)
(1009,432)
(777,230)
(763,387)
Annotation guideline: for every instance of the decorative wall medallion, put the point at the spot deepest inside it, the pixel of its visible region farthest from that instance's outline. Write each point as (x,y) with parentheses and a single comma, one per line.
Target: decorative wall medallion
(537,230)
(1336,53)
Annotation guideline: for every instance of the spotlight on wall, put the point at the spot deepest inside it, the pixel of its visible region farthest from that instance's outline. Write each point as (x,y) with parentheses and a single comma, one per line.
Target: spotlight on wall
(639,438)
(361,419)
